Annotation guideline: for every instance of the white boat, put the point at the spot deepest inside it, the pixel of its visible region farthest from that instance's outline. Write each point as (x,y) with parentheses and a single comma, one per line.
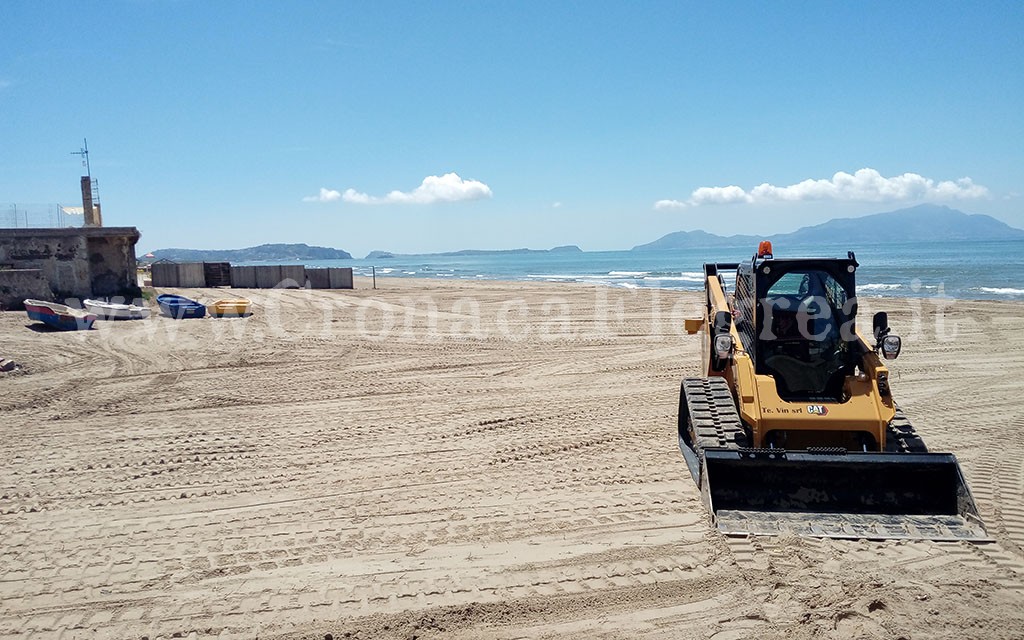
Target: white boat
(115,311)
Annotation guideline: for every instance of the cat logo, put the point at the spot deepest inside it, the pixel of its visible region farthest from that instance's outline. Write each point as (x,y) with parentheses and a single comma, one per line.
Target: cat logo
(817,409)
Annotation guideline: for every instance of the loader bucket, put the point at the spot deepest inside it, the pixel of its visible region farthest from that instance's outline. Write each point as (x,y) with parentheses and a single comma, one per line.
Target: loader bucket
(837,494)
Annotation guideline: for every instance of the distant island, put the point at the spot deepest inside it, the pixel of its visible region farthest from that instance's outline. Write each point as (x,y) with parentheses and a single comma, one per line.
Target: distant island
(252,254)
(923,223)
(379,255)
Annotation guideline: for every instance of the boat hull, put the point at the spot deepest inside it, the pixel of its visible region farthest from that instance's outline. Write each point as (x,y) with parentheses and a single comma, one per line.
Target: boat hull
(180,307)
(114,311)
(59,316)
(231,308)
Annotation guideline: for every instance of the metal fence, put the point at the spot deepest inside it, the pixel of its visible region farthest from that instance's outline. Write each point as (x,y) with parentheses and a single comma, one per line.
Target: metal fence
(37,216)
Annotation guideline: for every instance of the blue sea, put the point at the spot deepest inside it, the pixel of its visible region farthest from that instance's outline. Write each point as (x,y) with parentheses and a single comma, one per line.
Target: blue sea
(991,270)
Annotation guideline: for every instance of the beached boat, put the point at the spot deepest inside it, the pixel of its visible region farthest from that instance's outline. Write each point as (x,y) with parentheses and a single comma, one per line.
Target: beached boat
(59,316)
(180,307)
(115,311)
(231,307)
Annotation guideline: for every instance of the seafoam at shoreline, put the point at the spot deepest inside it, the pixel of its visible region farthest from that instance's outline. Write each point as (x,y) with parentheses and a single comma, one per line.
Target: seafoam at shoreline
(693,281)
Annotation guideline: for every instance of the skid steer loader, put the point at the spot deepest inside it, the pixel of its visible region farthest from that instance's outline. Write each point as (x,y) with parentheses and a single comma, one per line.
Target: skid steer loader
(792,428)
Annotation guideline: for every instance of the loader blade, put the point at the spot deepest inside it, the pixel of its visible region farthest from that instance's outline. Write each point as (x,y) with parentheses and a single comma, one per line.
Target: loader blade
(839,495)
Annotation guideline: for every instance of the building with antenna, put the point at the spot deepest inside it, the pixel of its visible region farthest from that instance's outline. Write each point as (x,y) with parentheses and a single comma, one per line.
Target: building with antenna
(69,264)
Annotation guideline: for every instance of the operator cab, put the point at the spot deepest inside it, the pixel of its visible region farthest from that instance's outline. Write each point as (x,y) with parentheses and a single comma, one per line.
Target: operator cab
(803,331)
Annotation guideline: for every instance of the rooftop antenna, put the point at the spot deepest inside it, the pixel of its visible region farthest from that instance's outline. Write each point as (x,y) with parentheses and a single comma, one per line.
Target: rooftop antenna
(84,152)
(90,190)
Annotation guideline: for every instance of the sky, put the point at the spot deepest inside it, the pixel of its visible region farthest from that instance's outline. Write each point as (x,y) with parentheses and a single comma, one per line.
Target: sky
(437,126)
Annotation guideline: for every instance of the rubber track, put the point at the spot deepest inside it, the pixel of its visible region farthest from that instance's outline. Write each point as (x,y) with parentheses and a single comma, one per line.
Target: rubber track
(712,414)
(900,436)
(716,423)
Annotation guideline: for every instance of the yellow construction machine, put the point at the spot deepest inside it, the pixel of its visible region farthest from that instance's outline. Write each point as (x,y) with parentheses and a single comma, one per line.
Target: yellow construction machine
(792,427)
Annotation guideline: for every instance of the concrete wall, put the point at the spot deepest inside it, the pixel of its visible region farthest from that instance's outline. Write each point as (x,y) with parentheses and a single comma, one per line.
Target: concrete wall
(168,274)
(18,284)
(191,274)
(112,268)
(268,276)
(165,274)
(178,274)
(293,276)
(74,263)
(243,277)
(340,277)
(318,278)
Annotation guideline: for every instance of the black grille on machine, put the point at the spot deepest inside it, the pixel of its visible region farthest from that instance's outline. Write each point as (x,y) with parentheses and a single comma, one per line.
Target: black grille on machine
(743,301)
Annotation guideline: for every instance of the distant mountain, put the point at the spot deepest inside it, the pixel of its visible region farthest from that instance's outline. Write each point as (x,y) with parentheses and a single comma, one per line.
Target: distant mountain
(262,252)
(923,223)
(686,239)
(926,222)
(379,255)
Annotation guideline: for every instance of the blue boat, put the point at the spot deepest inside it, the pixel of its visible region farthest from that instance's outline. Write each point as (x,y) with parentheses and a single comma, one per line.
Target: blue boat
(180,307)
(59,316)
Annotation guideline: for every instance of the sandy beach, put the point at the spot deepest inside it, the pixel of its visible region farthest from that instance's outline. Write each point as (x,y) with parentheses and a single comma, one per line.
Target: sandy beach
(439,459)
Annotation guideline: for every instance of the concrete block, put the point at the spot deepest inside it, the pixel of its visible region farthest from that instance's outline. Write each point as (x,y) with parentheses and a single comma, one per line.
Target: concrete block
(165,274)
(318,278)
(293,276)
(191,274)
(268,276)
(243,277)
(340,277)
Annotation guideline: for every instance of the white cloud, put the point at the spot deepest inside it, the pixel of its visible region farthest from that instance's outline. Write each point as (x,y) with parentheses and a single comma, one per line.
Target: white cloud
(351,195)
(556,205)
(662,205)
(326,195)
(719,195)
(864,185)
(447,188)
